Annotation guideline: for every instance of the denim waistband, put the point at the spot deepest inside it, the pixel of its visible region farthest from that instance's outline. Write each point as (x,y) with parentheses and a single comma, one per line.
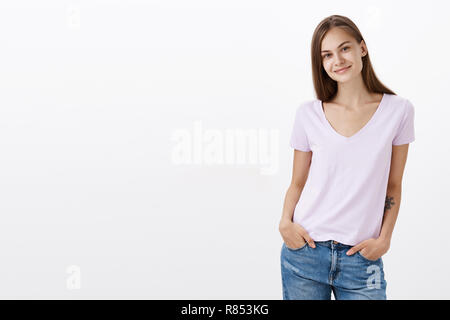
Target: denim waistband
(330,243)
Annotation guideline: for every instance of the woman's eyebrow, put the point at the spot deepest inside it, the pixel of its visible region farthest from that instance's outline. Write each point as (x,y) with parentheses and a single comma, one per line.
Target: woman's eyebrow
(338,46)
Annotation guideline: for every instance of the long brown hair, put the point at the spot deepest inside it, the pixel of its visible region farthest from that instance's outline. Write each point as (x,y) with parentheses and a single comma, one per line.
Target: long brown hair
(325,87)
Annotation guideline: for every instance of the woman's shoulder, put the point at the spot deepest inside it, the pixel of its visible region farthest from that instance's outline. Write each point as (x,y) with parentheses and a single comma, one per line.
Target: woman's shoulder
(399,103)
(306,105)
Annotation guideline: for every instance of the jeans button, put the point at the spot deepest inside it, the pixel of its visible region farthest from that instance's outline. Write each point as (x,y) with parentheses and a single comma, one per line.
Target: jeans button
(335,242)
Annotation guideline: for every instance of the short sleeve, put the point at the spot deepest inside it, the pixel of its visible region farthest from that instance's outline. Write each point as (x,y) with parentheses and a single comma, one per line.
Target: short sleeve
(405,133)
(299,138)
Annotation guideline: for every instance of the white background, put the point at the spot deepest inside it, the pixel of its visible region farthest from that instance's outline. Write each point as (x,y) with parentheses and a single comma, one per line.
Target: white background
(92,93)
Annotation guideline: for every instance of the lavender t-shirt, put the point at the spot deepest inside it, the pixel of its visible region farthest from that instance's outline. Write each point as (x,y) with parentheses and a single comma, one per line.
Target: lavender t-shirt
(344,195)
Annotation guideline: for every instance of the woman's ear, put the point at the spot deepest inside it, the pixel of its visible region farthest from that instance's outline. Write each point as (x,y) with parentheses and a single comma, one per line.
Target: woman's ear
(363,48)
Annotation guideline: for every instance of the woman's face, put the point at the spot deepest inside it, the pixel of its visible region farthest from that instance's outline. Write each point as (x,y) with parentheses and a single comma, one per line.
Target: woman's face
(339,50)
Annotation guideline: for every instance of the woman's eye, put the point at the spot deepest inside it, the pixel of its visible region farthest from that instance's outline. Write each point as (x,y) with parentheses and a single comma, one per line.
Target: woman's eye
(329,54)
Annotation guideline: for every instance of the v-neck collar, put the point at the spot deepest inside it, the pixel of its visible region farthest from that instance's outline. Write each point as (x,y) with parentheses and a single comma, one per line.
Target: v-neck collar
(372,119)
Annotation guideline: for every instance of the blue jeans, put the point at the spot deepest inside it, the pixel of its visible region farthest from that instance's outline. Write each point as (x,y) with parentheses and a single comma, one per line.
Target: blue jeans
(313,273)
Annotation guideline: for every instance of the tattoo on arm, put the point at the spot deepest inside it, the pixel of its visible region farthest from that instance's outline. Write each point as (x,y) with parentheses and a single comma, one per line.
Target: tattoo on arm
(388,203)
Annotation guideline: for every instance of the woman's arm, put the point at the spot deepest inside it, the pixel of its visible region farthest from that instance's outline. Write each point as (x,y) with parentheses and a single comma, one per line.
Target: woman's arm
(294,235)
(394,191)
(300,170)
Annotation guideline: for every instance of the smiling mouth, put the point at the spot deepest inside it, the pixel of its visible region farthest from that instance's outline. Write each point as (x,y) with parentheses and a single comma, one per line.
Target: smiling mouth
(343,69)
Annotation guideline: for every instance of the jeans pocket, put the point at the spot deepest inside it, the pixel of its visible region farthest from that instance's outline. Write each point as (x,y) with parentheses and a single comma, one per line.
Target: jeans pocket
(296,249)
(361,255)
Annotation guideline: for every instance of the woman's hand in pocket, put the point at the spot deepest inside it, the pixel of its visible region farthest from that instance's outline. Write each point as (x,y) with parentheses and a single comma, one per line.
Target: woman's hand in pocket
(294,235)
(373,248)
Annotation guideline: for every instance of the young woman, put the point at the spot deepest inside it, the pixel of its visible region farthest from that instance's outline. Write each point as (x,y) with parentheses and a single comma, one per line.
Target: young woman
(351,145)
